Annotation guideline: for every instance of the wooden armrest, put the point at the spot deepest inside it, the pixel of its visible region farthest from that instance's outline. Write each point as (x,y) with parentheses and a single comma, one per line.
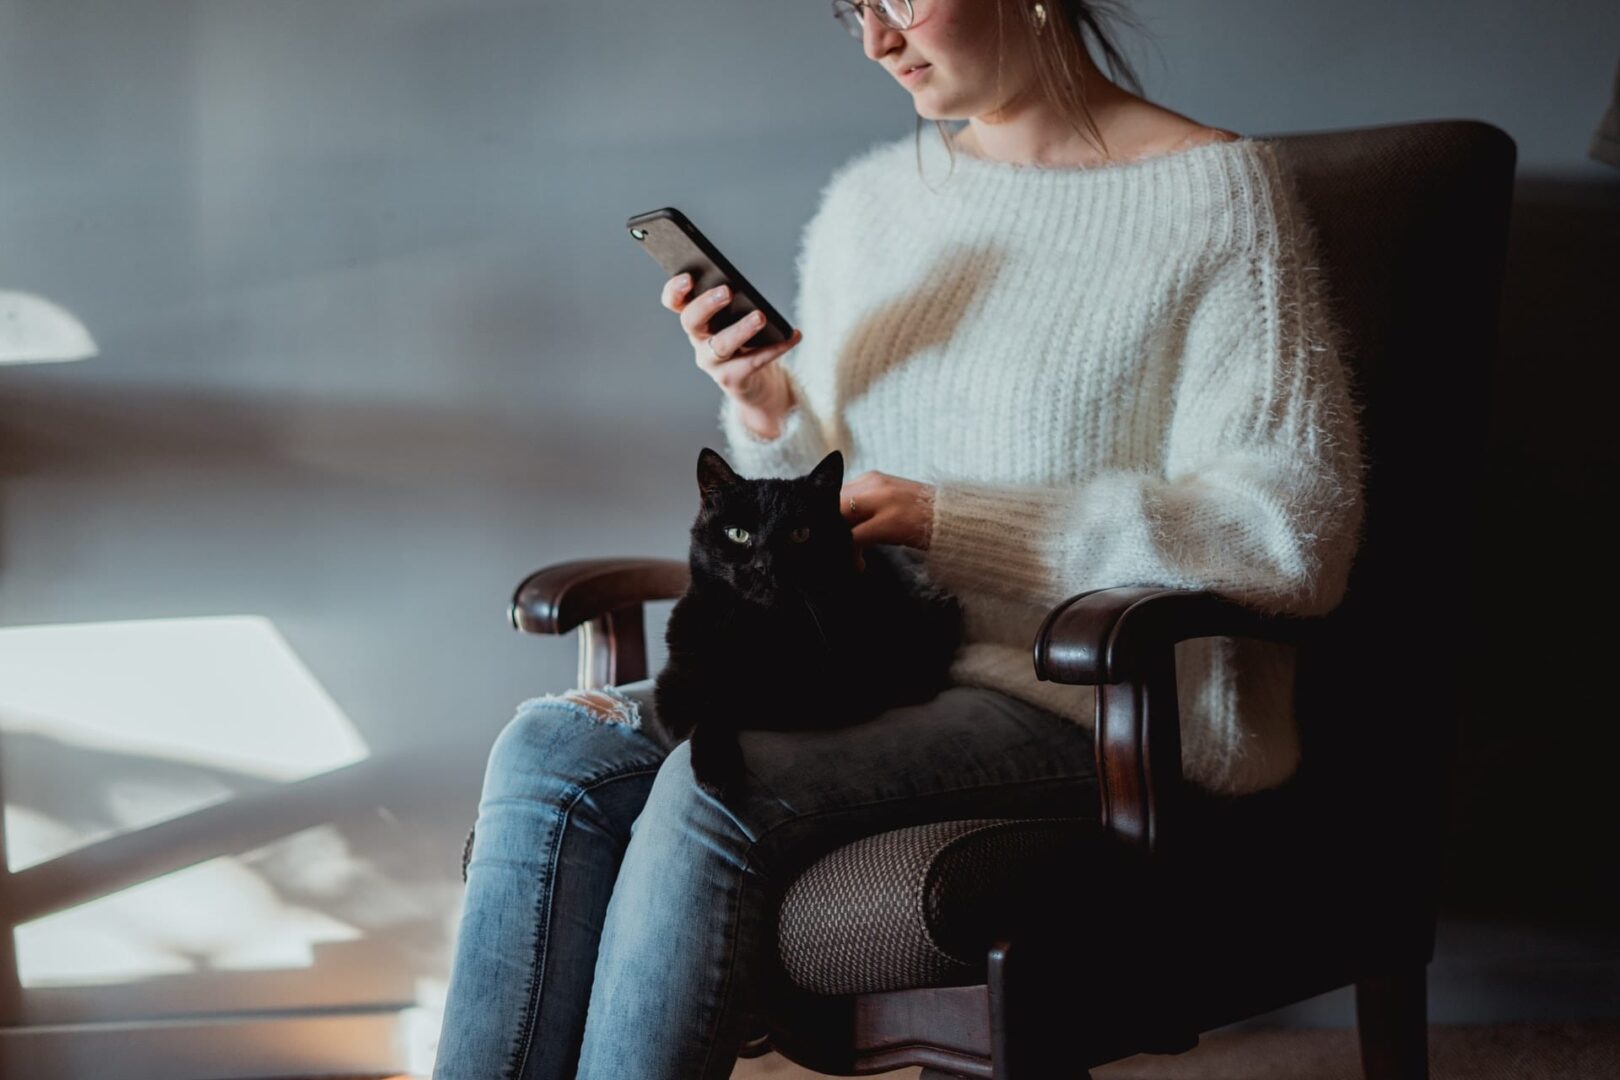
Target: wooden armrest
(1111,635)
(603,597)
(557,598)
(1122,641)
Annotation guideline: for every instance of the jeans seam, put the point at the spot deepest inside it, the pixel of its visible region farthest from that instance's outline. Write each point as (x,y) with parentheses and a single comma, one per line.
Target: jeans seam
(748,860)
(519,1055)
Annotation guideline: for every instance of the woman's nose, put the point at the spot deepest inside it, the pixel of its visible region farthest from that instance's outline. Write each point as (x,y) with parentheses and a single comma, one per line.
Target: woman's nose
(875,36)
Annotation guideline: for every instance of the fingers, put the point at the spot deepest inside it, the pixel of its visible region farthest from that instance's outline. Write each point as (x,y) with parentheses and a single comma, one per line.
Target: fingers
(735,336)
(674,291)
(758,358)
(676,294)
(734,366)
(696,312)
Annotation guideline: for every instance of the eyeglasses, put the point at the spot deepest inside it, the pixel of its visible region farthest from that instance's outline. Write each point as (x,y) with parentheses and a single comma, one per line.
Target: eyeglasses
(851,13)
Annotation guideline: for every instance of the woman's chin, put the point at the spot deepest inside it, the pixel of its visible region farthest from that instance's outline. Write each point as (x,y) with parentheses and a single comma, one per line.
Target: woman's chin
(930,107)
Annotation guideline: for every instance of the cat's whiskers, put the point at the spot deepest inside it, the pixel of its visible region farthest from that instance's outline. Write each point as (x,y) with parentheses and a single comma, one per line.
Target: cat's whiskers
(814,618)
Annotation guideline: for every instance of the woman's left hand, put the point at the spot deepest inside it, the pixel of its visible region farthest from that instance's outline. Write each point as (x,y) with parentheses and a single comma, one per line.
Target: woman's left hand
(888,510)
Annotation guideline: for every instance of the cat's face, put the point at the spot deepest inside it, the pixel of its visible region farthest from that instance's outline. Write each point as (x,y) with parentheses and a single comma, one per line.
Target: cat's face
(773,536)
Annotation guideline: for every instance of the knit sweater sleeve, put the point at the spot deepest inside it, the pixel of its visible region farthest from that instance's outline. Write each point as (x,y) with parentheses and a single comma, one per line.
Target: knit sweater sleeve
(1260,498)
(800,444)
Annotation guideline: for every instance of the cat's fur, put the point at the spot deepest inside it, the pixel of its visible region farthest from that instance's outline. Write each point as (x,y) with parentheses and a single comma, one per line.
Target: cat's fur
(786,634)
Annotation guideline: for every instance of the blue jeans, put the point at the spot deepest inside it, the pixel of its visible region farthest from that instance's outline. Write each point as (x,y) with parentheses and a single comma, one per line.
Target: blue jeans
(617,918)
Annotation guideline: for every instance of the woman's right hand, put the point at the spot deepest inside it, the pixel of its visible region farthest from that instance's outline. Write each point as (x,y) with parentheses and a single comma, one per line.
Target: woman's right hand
(750,376)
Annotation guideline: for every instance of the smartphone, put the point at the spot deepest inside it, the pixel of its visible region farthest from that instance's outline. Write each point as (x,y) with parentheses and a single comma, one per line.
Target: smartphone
(680,247)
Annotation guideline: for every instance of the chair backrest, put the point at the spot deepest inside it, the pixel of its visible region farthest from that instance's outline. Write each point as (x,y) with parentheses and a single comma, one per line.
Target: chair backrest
(1411,226)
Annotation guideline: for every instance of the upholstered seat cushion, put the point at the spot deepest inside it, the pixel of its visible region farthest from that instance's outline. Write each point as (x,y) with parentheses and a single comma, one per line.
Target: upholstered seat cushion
(921,906)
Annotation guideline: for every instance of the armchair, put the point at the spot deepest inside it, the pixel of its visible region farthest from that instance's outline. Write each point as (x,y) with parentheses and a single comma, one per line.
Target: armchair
(1186,911)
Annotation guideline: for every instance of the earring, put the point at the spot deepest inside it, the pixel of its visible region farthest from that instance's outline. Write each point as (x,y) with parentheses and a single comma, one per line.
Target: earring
(1040,16)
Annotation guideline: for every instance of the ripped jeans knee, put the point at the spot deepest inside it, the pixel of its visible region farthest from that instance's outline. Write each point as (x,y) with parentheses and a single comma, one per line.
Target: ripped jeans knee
(603,705)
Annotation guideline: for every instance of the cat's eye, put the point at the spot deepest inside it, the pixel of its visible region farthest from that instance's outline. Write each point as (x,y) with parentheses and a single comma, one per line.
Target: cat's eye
(801,534)
(737,534)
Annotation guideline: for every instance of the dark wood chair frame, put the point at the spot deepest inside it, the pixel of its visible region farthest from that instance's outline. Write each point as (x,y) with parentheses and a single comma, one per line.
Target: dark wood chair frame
(1291,884)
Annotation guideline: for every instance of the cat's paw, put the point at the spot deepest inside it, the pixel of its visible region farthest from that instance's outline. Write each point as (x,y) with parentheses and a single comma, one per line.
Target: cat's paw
(717,764)
(719,774)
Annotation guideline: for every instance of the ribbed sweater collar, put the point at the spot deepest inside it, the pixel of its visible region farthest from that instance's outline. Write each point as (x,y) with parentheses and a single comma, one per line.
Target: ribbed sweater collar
(1216,193)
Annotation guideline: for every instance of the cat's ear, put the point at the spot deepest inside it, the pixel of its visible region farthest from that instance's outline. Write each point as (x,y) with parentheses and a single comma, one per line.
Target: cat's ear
(713,475)
(829,473)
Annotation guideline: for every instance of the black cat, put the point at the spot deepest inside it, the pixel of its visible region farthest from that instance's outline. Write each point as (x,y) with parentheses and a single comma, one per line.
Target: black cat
(778,630)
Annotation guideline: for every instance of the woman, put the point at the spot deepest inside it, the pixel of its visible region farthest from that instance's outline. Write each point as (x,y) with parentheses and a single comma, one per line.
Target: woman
(1095,355)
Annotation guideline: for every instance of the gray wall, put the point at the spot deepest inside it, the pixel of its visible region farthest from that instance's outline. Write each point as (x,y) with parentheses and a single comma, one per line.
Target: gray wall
(374,345)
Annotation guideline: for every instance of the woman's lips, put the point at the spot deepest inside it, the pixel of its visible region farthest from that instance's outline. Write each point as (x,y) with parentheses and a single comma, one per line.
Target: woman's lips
(914,73)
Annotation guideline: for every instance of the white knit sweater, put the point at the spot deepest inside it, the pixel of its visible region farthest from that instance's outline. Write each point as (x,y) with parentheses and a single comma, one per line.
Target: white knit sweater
(1114,376)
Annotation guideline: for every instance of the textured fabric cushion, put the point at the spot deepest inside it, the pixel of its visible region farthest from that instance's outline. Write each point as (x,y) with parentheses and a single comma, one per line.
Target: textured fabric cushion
(920,906)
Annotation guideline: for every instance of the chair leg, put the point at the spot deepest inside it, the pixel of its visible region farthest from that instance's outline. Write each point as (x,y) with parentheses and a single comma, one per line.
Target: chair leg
(1392,1016)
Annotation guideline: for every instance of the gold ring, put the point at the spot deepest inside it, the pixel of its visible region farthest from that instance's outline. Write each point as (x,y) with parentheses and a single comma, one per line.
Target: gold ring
(852,504)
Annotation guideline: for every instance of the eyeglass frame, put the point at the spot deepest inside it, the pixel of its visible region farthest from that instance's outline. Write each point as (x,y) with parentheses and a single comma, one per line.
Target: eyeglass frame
(856,7)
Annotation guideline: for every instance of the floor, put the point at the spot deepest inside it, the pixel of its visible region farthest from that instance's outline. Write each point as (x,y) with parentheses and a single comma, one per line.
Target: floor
(1554,1051)
(1456,1052)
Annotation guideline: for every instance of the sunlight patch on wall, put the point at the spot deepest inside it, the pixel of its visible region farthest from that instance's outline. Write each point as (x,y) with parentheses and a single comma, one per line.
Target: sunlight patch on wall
(34,330)
(110,727)
(220,915)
